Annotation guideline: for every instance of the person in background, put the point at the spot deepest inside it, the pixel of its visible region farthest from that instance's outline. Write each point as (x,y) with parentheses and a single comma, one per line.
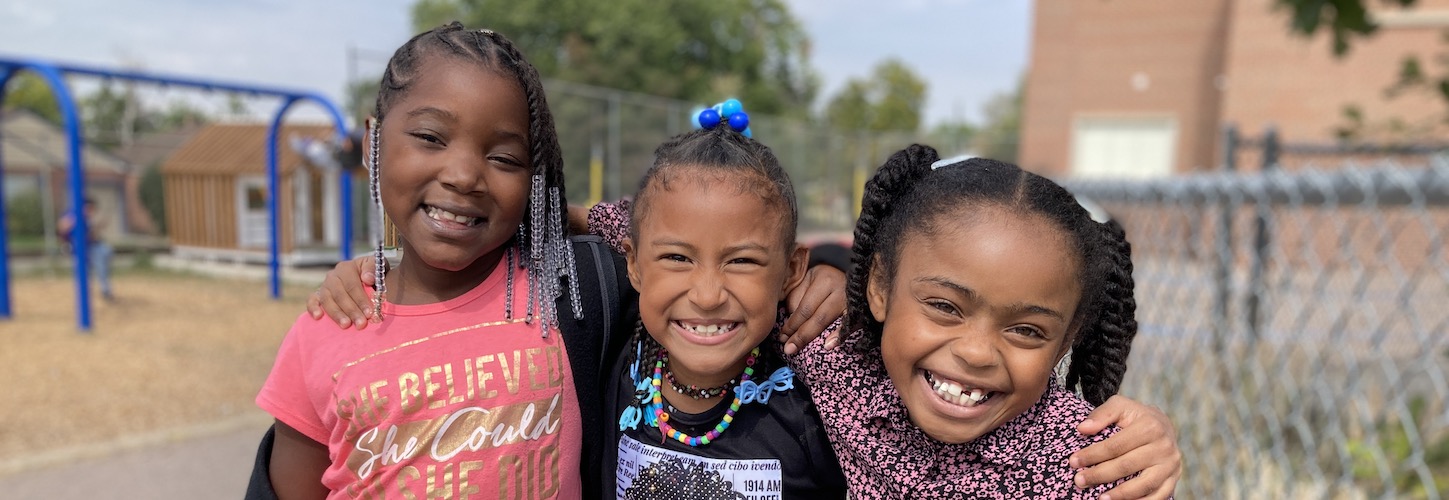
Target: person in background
(100,252)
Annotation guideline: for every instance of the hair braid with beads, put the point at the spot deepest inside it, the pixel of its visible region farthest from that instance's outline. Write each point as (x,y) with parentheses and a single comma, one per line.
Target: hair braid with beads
(549,254)
(908,197)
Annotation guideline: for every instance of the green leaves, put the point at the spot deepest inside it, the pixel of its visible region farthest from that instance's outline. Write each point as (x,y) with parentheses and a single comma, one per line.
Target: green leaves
(891,98)
(29,92)
(699,51)
(1345,19)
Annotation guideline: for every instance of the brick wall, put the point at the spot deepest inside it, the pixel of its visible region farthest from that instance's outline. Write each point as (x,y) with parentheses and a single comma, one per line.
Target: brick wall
(1209,62)
(1121,58)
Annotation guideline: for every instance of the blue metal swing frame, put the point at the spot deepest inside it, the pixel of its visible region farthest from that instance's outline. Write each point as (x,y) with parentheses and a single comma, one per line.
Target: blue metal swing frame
(53,73)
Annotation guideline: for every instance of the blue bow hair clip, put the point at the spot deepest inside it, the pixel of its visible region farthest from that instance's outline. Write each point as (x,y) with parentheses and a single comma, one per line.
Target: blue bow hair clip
(782,380)
(730,113)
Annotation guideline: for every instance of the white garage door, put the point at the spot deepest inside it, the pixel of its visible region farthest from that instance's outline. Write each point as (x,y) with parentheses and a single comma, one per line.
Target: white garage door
(1128,147)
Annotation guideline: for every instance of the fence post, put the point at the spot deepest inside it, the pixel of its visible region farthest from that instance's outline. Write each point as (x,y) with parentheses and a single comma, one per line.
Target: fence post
(616,176)
(1264,210)
(1222,274)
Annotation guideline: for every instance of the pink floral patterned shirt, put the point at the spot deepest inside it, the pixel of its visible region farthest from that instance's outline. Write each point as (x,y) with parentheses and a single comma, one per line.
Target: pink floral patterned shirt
(884,455)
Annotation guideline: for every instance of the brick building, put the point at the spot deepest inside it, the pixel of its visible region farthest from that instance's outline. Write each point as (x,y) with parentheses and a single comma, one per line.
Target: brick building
(1142,88)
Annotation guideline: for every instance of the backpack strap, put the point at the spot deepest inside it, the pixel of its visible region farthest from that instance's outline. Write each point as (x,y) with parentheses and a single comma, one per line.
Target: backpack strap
(590,340)
(608,293)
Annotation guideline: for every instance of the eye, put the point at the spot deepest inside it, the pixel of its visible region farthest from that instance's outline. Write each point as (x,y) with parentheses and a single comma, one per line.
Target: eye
(943,306)
(506,160)
(745,260)
(427,137)
(674,257)
(1028,331)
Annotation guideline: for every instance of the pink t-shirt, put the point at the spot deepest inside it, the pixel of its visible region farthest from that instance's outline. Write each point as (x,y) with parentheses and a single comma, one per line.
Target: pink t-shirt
(444,400)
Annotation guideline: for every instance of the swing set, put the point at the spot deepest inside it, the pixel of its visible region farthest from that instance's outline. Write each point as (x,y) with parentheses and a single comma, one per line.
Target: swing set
(54,73)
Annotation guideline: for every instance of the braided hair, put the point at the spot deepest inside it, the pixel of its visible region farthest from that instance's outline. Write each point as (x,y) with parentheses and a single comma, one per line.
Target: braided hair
(907,196)
(542,237)
(751,167)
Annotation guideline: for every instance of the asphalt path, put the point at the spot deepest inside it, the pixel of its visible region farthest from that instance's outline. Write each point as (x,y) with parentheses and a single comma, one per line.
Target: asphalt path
(205,462)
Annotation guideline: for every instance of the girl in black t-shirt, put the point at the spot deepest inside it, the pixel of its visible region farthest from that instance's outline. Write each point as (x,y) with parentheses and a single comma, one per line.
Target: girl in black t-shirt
(706,407)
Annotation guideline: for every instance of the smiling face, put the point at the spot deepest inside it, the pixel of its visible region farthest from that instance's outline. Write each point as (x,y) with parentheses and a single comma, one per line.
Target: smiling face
(455,173)
(978,310)
(711,264)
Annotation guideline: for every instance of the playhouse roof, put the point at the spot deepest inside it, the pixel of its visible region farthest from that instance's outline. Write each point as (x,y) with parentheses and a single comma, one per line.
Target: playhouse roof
(31,143)
(235,148)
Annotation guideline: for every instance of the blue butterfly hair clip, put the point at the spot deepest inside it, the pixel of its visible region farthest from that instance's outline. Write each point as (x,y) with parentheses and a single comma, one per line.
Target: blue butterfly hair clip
(730,113)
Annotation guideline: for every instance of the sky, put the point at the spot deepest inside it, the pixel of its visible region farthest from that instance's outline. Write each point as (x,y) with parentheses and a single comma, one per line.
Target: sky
(966,50)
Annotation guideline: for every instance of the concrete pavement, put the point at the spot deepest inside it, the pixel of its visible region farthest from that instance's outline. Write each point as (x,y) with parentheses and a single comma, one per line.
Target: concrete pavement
(202,462)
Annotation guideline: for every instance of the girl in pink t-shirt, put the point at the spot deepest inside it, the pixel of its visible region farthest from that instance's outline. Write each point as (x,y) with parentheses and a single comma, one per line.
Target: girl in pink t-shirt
(466,388)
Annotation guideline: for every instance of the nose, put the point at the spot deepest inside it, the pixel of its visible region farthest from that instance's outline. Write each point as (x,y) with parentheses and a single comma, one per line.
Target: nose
(707,289)
(463,173)
(976,346)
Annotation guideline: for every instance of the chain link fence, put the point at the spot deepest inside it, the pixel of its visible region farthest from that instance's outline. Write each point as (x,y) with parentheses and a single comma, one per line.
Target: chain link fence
(1293,319)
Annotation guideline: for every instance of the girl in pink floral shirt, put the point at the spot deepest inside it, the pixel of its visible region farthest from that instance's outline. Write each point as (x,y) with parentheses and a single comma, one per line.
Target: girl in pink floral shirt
(971,282)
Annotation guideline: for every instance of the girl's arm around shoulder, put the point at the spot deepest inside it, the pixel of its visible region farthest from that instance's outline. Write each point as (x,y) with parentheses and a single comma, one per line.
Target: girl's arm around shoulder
(831,358)
(1143,452)
(608,220)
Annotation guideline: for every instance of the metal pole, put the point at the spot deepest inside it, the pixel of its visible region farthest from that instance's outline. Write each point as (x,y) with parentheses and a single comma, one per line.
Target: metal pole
(344,192)
(273,209)
(80,232)
(6,72)
(616,181)
(344,176)
(1222,275)
(1256,289)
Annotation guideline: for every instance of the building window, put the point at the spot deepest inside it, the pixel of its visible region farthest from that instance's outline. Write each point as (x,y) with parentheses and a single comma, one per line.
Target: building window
(1123,147)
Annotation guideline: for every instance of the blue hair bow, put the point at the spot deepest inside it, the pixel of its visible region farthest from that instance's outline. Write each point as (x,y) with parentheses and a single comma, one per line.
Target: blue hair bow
(782,380)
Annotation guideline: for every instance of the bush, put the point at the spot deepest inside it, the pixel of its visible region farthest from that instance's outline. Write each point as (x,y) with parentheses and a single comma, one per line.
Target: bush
(153,196)
(24,215)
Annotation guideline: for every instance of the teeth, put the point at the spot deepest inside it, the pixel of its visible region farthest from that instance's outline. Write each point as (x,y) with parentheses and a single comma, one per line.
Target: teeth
(708,329)
(444,215)
(952,392)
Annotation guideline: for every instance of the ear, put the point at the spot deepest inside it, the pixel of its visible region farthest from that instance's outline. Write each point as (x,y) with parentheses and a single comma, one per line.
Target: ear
(631,256)
(799,261)
(877,290)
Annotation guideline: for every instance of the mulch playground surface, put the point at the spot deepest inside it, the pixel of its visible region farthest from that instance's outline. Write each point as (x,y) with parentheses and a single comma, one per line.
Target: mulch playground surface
(171,351)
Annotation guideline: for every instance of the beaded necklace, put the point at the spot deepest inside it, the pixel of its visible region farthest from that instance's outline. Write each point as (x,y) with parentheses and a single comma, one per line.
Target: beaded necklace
(662,416)
(692,390)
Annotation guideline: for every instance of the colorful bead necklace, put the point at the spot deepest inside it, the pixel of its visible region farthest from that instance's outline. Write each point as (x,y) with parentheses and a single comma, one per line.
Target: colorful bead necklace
(663,417)
(692,390)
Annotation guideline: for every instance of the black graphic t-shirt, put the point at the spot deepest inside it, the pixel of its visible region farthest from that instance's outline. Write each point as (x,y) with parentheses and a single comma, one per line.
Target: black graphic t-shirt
(776,450)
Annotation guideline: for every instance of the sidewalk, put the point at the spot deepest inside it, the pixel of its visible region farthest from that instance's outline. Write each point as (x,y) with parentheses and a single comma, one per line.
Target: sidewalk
(203,462)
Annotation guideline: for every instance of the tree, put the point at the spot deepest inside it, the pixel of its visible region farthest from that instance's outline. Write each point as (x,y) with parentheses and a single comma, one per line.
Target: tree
(851,108)
(30,92)
(998,137)
(361,98)
(952,138)
(890,99)
(1346,19)
(1349,20)
(112,118)
(700,51)
(179,115)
